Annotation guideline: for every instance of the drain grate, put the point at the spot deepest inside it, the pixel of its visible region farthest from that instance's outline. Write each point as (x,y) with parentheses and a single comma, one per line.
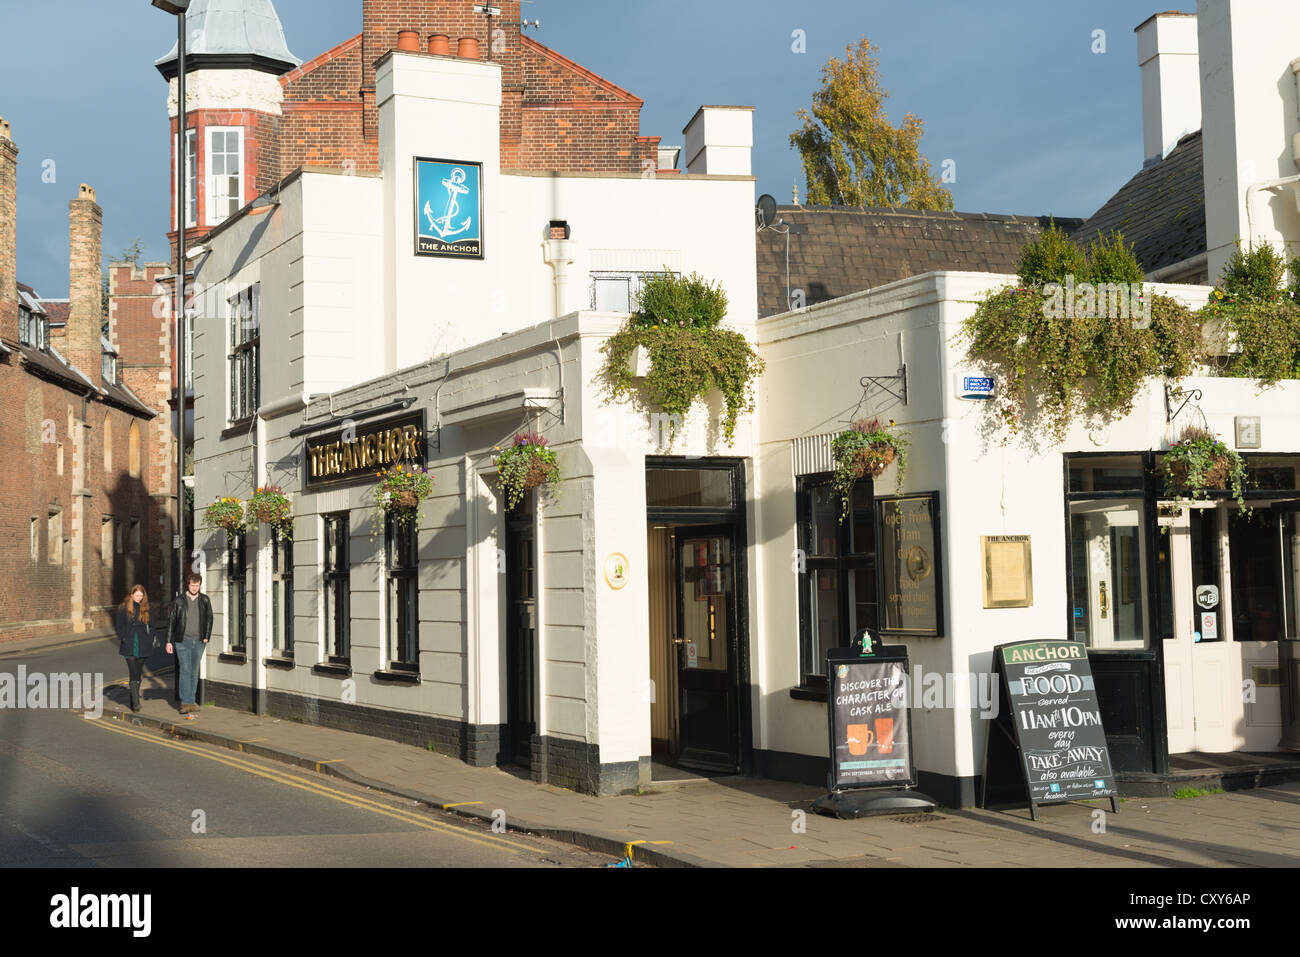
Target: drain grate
(927,818)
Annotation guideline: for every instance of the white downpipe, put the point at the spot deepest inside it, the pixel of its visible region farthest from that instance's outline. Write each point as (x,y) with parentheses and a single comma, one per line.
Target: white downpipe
(559,254)
(1269,184)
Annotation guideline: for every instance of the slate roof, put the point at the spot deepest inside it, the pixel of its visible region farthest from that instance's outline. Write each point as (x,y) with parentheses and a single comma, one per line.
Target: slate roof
(57,310)
(838,250)
(1161,210)
(50,364)
(225,28)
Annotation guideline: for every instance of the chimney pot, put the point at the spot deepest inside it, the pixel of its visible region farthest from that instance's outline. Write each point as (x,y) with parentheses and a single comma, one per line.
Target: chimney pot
(5,132)
(440,44)
(467,48)
(408,41)
(86,192)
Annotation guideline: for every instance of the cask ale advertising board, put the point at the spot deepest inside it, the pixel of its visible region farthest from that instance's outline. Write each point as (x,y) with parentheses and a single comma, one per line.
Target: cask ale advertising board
(1051,721)
(871,740)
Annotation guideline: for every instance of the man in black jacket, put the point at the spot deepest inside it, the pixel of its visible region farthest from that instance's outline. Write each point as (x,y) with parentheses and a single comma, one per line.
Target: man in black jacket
(189,630)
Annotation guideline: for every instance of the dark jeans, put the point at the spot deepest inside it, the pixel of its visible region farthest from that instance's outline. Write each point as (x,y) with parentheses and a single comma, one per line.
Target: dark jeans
(188,655)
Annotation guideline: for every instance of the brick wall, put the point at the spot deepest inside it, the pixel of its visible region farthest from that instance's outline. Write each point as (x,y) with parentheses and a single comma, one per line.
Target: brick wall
(8,235)
(33,423)
(140,311)
(85,314)
(555,115)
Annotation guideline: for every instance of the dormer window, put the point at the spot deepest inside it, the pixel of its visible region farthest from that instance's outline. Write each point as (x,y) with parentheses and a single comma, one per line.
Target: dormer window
(33,330)
(108,368)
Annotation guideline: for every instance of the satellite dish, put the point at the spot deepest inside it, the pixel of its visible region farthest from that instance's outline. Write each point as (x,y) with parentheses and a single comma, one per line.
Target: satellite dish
(766,211)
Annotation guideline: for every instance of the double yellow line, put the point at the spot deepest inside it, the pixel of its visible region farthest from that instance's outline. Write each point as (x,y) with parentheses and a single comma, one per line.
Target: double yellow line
(306,784)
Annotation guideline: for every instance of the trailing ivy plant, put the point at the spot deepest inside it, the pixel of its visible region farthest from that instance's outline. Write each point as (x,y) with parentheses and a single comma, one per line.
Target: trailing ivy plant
(1259,313)
(527,464)
(678,321)
(1199,462)
(1056,358)
(867,449)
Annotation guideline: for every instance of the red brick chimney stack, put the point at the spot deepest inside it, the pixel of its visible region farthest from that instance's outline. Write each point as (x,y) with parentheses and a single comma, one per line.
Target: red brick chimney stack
(8,234)
(86,311)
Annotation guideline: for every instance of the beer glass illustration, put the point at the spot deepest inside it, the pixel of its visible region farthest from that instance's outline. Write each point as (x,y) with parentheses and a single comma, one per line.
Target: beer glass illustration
(885,735)
(859,738)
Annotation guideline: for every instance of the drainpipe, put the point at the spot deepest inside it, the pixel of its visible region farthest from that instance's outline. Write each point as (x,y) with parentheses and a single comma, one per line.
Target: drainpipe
(1272,184)
(1268,184)
(559,255)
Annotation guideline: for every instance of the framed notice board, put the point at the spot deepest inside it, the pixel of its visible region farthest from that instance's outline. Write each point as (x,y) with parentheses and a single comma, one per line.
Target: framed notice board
(911,569)
(1047,744)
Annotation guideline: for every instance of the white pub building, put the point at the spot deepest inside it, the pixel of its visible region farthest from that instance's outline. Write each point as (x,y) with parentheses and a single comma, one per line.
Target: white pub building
(681,602)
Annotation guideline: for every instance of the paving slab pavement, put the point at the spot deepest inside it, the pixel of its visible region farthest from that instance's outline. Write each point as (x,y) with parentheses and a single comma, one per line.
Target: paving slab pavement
(751,822)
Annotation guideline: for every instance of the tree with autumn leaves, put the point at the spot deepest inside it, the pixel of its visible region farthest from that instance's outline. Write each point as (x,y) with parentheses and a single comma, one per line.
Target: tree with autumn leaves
(852,156)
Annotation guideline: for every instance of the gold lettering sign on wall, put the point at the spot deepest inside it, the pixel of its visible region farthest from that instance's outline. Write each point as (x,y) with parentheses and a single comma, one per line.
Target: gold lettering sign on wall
(911,596)
(353,455)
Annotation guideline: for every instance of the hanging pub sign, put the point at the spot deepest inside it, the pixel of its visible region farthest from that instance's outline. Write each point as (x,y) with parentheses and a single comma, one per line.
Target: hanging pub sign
(1047,744)
(910,571)
(448,208)
(352,455)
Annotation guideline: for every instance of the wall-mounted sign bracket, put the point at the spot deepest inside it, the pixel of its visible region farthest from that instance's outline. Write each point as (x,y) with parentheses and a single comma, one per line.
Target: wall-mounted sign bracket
(1187,395)
(895,385)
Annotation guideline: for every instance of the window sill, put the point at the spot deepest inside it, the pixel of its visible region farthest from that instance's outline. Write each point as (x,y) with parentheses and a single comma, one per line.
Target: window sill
(331,670)
(285,664)
(398,677)
(237,429)
(232,658)
(808,694)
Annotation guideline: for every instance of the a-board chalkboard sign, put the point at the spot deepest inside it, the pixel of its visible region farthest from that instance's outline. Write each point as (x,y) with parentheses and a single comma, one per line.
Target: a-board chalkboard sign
(870,724)
(1049,725)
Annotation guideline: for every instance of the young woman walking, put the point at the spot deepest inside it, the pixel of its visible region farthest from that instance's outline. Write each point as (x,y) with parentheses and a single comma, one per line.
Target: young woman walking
(135,644)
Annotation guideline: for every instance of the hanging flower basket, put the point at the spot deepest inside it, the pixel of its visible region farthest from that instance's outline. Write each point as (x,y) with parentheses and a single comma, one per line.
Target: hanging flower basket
(400,491)
(864,450)
(227,513)
(1199,463)
(270,505)
(528,464)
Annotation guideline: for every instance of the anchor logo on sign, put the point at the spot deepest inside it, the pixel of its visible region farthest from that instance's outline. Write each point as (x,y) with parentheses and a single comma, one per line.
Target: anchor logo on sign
(456,188)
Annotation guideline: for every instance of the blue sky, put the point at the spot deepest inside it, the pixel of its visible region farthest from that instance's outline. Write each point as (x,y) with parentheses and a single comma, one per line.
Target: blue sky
(1010,90)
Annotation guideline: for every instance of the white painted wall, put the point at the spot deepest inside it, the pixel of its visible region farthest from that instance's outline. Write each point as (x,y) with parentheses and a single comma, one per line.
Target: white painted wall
(815,360)
(1251,117)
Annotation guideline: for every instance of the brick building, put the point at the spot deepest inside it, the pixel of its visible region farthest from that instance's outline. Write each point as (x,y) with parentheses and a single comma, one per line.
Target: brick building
(257,112)
(78,525)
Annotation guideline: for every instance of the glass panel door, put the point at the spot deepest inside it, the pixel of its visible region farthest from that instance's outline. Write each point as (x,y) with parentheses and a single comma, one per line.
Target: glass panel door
(705,640)
(1108,574)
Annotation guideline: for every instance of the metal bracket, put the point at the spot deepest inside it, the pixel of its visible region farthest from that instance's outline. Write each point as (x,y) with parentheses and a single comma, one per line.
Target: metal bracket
(898,390)
(1187,395)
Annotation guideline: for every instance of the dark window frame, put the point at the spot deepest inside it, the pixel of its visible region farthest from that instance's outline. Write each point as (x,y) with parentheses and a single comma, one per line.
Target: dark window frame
(237,593)
(282,594)
(843,562)
(243,358)
(336,582)
(402,565)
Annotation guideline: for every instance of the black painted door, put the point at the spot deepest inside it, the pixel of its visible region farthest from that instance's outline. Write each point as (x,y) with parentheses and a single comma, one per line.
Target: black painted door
(707,647)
